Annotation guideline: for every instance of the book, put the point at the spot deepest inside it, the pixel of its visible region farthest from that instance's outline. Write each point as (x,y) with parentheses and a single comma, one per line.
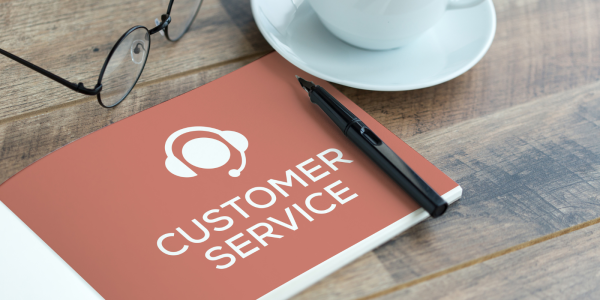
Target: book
(239,189)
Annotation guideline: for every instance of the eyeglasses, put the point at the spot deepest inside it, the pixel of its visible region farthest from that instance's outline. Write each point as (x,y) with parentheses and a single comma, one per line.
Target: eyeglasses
(127,58)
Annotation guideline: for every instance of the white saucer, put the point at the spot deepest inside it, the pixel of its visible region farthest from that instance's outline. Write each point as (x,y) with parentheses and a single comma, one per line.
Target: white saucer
(447,50)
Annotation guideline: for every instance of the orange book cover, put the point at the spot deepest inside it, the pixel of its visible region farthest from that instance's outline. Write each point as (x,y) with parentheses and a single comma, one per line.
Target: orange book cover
(239,189)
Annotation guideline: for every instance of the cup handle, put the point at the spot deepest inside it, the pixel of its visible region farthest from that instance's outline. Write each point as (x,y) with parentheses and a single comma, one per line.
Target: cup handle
(457,4)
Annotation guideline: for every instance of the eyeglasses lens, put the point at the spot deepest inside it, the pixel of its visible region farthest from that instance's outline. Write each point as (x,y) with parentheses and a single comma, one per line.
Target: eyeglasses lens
(183,13)
(124,67)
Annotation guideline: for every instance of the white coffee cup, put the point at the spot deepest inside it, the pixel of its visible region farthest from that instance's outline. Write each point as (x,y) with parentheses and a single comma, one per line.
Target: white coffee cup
(383,24)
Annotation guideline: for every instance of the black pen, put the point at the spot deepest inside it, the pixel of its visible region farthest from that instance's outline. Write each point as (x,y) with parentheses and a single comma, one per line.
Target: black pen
(376,149)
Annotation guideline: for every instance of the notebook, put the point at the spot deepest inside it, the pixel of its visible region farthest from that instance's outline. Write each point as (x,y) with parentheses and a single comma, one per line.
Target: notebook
(239,189)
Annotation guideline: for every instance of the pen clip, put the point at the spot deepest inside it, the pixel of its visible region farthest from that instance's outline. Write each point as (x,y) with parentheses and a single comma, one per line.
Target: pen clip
(370,136)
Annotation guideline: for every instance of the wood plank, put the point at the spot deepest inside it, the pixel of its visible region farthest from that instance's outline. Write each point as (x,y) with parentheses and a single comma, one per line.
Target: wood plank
(553,59)
(26,140)
(527,171)
(72,39)
(566,267)
(240,13)
(540,48)
(358,275)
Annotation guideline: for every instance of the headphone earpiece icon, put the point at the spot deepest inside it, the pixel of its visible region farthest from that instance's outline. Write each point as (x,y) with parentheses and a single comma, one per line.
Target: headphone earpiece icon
(205,153)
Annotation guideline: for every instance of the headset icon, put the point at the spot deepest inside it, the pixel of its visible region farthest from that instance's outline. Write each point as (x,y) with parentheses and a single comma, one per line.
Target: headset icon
(204,153)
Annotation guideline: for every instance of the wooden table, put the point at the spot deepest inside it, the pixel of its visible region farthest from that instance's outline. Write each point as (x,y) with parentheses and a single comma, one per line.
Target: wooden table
(520,132)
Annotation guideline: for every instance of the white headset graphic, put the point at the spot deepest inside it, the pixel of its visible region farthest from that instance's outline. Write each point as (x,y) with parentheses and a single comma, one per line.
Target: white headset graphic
(196,150)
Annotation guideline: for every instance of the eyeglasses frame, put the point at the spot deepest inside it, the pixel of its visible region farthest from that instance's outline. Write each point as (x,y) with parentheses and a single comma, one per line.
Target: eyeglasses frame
(80,88)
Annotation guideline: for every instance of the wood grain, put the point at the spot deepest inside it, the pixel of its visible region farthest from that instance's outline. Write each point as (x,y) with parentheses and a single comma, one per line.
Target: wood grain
(73,38)
(567,267)
(365,276)
(540,48)
(26,140)
(527,171)
(518,132)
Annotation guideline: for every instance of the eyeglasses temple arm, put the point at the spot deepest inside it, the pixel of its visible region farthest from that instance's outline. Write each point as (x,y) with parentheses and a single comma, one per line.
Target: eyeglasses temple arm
(169,8)
(78,87)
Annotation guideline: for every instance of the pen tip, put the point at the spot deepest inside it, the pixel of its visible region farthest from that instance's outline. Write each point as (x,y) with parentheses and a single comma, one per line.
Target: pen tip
(306,85)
